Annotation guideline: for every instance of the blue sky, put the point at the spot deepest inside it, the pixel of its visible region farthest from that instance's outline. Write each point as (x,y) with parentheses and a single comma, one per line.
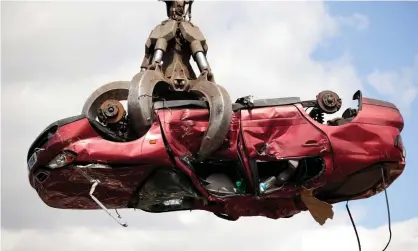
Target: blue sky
(390,42)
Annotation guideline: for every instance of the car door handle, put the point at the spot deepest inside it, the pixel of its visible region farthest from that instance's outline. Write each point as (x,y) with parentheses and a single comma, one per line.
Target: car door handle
(311,143)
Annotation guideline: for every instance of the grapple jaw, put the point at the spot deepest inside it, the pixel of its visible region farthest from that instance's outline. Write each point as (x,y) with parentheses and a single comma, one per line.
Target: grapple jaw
(220,115)
(140,107)
(140,100)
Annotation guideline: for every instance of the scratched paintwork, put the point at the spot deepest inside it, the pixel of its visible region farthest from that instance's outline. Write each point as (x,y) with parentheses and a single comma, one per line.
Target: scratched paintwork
(69,188)
(268,134)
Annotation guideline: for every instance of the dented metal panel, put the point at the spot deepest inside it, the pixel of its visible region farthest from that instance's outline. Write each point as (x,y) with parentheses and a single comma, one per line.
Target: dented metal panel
(281,132)
(184,129)
(366,138)
(379,115)
(68,187)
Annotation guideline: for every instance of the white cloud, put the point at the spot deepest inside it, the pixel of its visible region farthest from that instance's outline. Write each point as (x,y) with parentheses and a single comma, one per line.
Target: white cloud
(204,232)
(56,54)
(356,20)
(400,86)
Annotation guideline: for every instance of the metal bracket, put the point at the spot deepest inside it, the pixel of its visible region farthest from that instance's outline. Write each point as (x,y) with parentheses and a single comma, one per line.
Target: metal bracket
(92,189)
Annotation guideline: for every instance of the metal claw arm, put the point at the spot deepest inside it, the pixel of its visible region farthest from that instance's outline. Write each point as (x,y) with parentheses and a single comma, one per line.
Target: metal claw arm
(198,45)
(157,43)
(166,70)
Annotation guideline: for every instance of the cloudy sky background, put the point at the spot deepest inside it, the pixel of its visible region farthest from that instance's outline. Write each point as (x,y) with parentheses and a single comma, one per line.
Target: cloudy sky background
(54,54)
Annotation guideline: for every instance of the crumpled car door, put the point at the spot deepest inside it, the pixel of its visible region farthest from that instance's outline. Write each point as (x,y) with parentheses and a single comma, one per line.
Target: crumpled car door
(272,133)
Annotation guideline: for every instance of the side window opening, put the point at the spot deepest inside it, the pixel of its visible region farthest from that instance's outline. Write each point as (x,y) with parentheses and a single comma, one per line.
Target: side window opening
(221,177)
(296,172)
(164,191)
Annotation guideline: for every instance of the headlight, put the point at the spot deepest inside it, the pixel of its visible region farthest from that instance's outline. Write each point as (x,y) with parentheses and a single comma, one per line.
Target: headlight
(62,159)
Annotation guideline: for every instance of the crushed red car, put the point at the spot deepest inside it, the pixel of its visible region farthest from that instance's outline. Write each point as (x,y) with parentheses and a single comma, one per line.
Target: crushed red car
(273,149)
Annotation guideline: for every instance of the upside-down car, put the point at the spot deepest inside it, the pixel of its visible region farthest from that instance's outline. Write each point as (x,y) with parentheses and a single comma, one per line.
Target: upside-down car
(273,149)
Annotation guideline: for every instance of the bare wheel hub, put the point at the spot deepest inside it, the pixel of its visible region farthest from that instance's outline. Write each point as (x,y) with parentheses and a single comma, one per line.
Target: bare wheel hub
(329,101)
(113,110)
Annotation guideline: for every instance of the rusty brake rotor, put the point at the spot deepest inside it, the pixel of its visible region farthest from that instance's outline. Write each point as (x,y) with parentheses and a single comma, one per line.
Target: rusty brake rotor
(329,101)
(112,111)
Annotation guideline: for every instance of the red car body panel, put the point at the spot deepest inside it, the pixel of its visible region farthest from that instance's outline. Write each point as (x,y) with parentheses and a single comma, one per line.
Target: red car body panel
(284,131)
(350,152)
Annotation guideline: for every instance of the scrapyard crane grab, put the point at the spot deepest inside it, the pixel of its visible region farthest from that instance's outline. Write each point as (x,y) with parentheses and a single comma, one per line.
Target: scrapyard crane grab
(166,74)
